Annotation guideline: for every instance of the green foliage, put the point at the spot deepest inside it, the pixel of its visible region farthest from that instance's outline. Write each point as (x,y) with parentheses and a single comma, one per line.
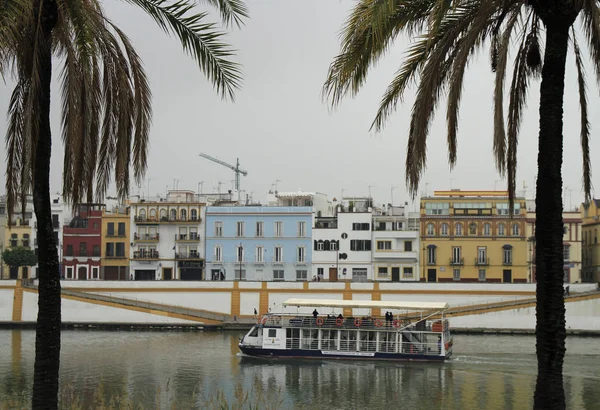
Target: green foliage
(19,256)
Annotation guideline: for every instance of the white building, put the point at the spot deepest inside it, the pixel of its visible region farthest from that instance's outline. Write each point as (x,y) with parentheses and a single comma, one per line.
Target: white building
(321,206)
(168,237)
(342,247)
(395,246)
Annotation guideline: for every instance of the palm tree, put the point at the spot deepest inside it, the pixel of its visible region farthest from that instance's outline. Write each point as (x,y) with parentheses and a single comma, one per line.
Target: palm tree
(447,33)
(106,115)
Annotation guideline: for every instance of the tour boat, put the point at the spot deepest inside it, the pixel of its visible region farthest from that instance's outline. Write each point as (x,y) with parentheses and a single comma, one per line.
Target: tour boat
(419,333)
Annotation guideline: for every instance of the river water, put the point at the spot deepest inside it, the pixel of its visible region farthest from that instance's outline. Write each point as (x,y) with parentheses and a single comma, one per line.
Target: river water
(187,370)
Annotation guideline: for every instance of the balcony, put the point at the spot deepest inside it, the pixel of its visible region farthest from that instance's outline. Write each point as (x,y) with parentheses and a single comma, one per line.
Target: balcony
(114,257)
(188,237)
(146,254)
(19,222)
(115,235)
(164,220)
(482,261)
(394,254)
(82,254)
(185,255)
(146,237)
(507,262)
(457,261)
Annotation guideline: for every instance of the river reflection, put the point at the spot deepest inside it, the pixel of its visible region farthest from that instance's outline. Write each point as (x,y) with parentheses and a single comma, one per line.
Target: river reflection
(177,368)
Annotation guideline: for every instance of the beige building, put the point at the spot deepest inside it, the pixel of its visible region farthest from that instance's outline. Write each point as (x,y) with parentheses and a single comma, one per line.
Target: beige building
(590,215)
(16,232)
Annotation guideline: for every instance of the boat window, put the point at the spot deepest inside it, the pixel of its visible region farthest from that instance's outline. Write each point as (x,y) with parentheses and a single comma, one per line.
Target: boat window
(253,332)
(272,332)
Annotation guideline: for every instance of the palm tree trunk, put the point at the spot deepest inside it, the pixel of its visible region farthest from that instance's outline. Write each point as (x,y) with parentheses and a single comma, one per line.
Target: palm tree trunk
(47,337)
(550,310)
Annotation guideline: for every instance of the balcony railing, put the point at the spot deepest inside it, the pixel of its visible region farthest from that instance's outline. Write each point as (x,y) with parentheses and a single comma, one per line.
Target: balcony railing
(457,261)
(82,254)
(147,254)
(185,255)
(507,262)
(116,234)
(114,256)
(146,236)
(431,262)
(482,261)
(164,219)
(188,237)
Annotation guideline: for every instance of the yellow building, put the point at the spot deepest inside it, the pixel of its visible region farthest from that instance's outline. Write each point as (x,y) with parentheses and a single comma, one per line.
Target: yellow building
(17,233)
(469,236)
(590,214)
(116,242)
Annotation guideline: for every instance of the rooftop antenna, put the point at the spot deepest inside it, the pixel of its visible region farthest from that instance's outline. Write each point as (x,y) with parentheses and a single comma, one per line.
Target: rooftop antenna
(277,181)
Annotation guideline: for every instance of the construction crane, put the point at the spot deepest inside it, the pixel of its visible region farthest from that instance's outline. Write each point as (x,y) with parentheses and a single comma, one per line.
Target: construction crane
(236,169)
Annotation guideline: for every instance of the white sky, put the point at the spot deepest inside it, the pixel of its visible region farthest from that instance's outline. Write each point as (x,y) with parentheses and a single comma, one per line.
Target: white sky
(281,130)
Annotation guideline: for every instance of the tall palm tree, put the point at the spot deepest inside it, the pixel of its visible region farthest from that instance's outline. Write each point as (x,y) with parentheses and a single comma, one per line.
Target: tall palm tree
(106,115)
(446,34)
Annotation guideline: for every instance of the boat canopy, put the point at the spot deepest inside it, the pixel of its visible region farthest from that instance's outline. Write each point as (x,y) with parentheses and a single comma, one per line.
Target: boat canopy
(368,304)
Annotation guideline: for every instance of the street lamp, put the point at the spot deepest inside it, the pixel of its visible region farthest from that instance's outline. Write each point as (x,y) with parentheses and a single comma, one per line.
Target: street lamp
(240,254)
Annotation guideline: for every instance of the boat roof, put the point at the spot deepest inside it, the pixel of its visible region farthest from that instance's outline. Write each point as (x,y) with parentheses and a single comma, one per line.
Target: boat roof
(383,304)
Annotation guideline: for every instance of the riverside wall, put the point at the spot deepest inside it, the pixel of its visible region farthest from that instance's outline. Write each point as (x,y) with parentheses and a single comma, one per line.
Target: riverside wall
(238,300)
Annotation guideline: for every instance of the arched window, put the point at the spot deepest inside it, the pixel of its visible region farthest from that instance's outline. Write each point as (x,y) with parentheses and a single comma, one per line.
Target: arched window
(515,229)
(430,230)
(501,230)
(487,229)
(194,214)
(142,214)
(444,229)
(173,214)
(472,228)
(153,214)
(458,230)
(183,214)
(163,213)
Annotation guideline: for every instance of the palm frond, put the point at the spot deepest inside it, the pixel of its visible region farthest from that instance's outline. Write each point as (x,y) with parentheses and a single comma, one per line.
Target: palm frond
(201,40)
(16,135)
(585,124)
(232,11)
(591,25)
(499,144)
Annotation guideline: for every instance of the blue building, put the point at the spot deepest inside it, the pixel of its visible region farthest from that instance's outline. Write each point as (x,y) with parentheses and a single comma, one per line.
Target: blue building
(259,243)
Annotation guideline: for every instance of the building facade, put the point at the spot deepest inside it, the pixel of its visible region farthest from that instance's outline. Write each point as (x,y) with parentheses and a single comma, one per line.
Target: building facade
(19,231)
(342,247)
(572,246)
(259,243)
(469,236)
(590,257)
(168,237)
(82,243)
(116,243)
(395,246)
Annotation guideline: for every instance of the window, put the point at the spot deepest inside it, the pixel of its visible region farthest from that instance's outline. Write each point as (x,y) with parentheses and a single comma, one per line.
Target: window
(95,250)
(458,230)
(95,225)
(431,255)
(407,246)
(444,229)
(110,229)
(456,275)
(218,253)
(384,245)
(502,209)
(278,274)
(438,208)
(487,229)
(142,215)
(481,275)
(278,254)
(218,229)
(194,234)
(333,246)
(240,274)
(120,249)
(320,272)
(566,252)
(396,226)
(272,333)
(278,229)
(320,246)
(301,229)
(239,230)
(239,253)
(430,230)
(472,228)
(121,228)
(456,257)
(260,231)
(69,272)
(83,249)
(360,245)
(301,275)
(69,250)
(95,272)
(359,274)
(110,249)
(260,251)
(507,255)
(357,226)
(501,230)
(183,214)
(407,272)
(481,255)
(382,272)
(194,214)
(301,254)
(515,229)
(173,215)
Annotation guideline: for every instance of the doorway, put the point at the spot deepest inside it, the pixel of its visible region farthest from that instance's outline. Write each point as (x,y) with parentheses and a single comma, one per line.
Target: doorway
(431,275)
(167,273)
(24,272)
(395,274)
(507,276)
(82,273)
(333,277)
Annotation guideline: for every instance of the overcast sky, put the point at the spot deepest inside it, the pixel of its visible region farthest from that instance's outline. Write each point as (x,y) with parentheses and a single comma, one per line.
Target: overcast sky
(281,130)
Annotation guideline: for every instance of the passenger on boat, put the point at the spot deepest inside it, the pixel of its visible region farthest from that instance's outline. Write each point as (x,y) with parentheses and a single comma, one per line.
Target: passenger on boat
(315,313)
